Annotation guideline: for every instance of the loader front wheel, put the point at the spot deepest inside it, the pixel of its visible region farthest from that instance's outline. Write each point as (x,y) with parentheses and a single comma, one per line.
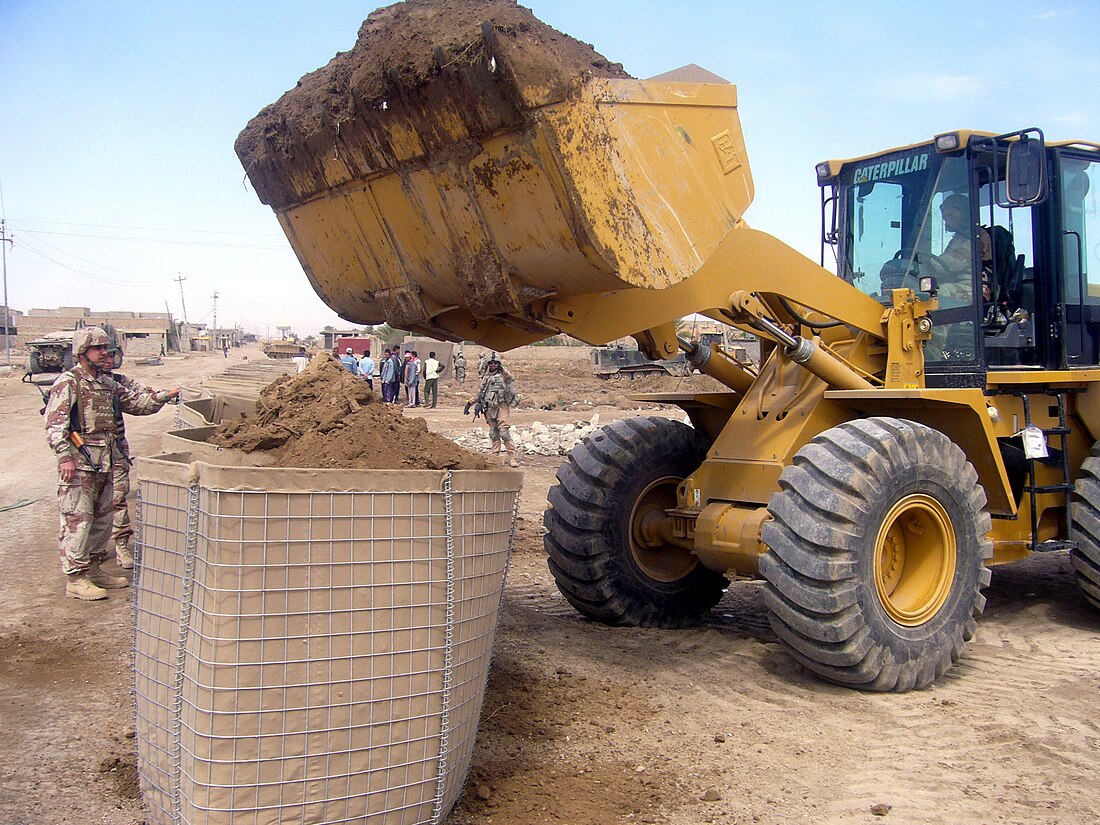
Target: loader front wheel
(605,555)
(1085,512)
(876,550)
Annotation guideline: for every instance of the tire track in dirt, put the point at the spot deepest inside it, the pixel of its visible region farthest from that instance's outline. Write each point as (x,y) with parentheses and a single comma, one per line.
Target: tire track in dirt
(968,730)
(970,733)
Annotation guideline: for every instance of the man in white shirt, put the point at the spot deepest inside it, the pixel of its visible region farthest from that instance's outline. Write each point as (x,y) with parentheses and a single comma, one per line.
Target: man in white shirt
(366,368)
(432,370)
(301,360)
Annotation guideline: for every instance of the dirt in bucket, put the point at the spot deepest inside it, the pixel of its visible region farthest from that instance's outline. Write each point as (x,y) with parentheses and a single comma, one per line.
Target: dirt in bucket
(407,46)
(326,417)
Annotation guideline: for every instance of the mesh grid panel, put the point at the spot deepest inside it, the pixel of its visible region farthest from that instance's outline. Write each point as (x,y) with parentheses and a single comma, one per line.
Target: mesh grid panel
(313,657)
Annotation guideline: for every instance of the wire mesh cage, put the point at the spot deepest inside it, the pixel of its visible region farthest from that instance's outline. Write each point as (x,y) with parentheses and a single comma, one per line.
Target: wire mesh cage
(313,645)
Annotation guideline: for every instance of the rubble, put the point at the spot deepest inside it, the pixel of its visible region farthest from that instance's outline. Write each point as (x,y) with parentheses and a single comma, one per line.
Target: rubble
(538,439)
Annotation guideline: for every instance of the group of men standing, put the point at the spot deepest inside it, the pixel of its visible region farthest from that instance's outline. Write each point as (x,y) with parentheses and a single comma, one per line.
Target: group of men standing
(396,372)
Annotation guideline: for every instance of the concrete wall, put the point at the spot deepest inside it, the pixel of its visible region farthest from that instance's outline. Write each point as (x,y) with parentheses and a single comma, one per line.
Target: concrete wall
(37,323)
(141,347)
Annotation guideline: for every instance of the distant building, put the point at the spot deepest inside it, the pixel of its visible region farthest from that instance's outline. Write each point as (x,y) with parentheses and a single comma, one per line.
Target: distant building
(331,337)
(146,333)
(226,337)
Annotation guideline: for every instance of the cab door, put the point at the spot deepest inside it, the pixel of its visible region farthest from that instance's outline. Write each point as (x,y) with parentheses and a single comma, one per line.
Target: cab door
(1077,179)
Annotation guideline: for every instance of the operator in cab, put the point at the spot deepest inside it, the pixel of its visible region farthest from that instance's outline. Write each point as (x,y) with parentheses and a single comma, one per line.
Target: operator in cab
(952,266)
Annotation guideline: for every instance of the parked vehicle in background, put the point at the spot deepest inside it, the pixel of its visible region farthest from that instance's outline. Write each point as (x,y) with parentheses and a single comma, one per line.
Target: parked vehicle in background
(629,362)
(52,354)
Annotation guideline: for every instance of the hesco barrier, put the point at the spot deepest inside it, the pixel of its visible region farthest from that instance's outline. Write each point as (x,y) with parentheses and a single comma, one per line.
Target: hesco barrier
(221,407)
(313,645)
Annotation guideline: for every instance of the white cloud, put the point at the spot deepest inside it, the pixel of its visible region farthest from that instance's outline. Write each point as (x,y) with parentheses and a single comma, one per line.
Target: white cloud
(931,88)
(1070,119)
(1051,14)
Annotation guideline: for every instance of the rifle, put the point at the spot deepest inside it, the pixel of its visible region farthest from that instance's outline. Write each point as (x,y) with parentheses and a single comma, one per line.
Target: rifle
(78,441)
(477,405)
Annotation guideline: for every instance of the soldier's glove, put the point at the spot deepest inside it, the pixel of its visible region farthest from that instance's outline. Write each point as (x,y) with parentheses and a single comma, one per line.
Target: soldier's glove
(466,409)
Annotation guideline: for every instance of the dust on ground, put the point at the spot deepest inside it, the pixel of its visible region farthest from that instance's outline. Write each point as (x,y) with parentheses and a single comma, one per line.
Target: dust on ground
(585,724)
(327,417)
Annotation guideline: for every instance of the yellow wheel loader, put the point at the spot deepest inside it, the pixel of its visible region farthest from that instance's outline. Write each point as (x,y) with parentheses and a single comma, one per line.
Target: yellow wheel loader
(924,412)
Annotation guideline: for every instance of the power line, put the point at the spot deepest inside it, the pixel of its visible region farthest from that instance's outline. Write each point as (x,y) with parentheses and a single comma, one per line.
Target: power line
(29,247)
(147,228)
(101,266)
(161,241)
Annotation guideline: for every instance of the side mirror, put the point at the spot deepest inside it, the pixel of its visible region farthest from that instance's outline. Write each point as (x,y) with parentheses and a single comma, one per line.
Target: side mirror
(1025,172)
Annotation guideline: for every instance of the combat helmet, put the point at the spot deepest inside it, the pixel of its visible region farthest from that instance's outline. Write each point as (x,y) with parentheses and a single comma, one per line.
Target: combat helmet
(88,337)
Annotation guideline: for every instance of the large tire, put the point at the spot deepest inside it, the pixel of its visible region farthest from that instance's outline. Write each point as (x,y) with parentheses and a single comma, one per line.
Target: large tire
(876,550)
(600,563)
(1085,512)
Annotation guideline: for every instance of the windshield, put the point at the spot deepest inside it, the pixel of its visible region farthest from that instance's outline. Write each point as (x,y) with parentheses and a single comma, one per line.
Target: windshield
(905,215)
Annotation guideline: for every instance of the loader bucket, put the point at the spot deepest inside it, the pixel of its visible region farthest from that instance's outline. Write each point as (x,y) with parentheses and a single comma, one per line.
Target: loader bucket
(465,202)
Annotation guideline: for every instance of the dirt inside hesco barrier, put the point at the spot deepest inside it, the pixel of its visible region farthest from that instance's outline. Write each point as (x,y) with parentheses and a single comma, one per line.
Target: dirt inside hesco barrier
(326,417)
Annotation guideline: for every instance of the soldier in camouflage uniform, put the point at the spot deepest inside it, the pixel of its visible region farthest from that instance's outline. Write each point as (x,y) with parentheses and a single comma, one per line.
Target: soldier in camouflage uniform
(82,430)
(460,367)
(497,397)
(121,529)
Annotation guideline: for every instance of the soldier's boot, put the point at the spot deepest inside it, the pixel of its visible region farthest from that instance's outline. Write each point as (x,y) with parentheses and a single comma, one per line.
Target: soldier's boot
(81,587)
(106,580)
(510,455)
(123,557)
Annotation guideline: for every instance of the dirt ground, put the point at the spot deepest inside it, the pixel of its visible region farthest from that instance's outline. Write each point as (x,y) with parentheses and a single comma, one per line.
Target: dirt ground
(584,723)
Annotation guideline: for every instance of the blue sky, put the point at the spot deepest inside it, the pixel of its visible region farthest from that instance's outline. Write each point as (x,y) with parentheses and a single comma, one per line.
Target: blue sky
(117,120)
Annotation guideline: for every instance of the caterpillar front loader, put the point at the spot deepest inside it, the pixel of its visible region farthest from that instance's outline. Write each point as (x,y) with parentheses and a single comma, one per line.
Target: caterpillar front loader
(925,412)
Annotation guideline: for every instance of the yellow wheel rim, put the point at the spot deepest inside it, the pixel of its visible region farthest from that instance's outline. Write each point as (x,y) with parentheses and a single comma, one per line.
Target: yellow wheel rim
(661,562)
(914,563)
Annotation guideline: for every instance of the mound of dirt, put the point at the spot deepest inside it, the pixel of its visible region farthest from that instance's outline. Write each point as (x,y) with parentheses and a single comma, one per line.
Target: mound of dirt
(483,61)
(326,417)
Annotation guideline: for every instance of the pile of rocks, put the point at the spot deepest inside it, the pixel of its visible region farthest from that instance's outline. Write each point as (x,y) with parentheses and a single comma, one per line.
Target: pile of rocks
(538,439)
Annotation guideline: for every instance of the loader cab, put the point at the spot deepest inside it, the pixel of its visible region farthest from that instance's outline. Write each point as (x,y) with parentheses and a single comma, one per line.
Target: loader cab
(1011,235)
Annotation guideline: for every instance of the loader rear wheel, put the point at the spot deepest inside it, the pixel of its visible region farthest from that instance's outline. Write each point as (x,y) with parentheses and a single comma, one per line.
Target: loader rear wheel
(603,552)
(1085,512)
(876,549)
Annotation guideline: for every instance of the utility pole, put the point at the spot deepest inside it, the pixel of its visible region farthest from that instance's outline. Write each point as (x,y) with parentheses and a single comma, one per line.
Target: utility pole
(180,281)
(214,340)
(5,238)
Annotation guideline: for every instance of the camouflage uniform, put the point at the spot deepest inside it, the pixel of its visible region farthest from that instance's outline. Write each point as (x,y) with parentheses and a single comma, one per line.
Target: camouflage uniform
(497,397)
(86,503)
(121,529)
